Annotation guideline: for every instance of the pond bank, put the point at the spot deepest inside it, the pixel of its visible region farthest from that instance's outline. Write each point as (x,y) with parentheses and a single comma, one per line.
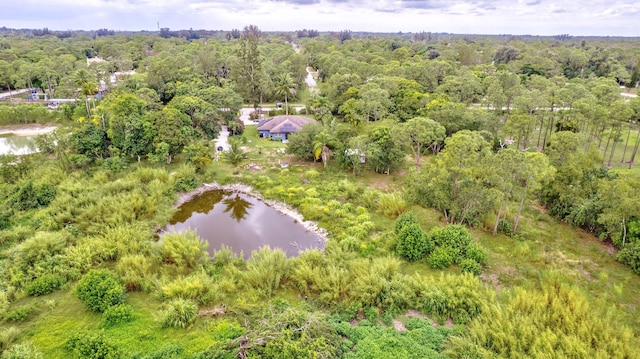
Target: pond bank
(26,130)
(282,208)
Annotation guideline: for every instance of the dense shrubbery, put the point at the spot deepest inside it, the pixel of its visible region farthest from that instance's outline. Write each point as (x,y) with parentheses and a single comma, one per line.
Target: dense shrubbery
(100,289)
(116,314)
(556,321)
(92,345)
(44,284)
(367,340)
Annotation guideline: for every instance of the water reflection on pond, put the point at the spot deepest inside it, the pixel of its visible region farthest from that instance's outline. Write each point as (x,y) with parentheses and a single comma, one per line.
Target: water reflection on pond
(241,222)
(16,145)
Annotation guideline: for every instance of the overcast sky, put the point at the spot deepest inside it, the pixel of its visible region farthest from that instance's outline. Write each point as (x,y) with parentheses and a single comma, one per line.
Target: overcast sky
(536,17)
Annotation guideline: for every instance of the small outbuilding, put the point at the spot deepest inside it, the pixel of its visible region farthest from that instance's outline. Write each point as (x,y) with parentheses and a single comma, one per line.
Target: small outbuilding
(279,127)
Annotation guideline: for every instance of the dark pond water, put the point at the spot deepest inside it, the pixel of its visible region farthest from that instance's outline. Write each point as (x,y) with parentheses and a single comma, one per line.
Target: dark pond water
(16,145)
(243,223)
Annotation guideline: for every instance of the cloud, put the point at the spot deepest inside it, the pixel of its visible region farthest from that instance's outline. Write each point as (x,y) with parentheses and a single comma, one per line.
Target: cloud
(545,17)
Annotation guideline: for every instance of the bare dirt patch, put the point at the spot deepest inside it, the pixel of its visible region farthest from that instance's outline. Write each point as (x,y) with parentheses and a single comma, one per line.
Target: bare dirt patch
(399,326)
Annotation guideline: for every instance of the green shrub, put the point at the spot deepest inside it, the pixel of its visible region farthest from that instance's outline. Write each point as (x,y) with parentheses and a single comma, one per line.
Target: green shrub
(7,337)
(266,270)
(31,196)
(454,237)
(225,329)
(186,250)
(92,345)
(22,351)
(116,314)
(459,297)
(413,244)
(100,289)
(198,287)
(79,160)
(167,351)
(470,266)
(44,284)
(185,178)
(476,253)
(505,227)
(391,204)
(405,219)
(18,314)
(179,313)
(135,271)
(630,255)
(440,258)
(553,321)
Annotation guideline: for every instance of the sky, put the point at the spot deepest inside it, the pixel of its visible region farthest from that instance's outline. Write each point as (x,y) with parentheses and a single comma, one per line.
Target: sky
(517,17)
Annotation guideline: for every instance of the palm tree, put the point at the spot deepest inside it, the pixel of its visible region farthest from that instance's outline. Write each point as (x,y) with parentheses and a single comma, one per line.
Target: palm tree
(234,155)
(87,87)
(284,87)
(321,144)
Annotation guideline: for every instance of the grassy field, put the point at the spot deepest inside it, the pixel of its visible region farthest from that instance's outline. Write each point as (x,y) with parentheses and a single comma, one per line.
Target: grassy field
(545,248)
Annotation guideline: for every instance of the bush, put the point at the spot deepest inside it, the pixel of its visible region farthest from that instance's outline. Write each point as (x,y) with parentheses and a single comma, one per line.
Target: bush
(470,266)
(18,314)
(630,255)
(168,351)
(116,314)
(476,253)
(93,345)
(179,313)
(404,220)
(7,336)
(440,258)
(100,289)
(31,196)
(266,269)
(44,285)
(135,271)
(22,351)
(413,244)
(185,178)
(391,204)
(186,250)
(455,238)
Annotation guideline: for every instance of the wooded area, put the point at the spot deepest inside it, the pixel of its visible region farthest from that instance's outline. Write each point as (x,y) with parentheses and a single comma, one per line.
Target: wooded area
(478,193)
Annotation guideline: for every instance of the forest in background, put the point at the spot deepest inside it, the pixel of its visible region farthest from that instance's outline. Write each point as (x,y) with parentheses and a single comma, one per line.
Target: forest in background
(495,214)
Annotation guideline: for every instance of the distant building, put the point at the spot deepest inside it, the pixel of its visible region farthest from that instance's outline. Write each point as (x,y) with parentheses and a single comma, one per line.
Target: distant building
(279,127)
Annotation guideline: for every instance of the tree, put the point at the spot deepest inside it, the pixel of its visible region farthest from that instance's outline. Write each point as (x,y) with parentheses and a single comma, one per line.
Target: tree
(284,86)
(384,150)
(456,181)
(620,204)
(300,143)
(249,65)
(419,132)
(201,113)
(87,86)
(235,154)
(321,146)
(173,128)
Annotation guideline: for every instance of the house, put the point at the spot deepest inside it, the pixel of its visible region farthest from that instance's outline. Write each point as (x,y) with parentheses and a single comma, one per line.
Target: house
(279,127)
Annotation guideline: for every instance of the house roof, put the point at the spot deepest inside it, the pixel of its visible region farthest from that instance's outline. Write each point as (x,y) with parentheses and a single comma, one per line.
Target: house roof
(283,124)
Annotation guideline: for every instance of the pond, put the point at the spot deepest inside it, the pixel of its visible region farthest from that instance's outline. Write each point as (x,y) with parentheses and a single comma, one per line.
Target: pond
(243,223)
(11,144)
